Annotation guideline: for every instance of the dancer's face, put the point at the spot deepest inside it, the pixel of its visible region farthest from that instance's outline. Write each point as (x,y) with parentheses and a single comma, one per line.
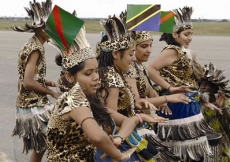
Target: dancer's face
(122,60)
(205,86)
(184,38)
(41,33)
(143,50)
(88,77)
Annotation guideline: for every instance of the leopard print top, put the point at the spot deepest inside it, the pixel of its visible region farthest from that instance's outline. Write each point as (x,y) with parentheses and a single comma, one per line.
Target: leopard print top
(114,80)
(28,98)
(66,141)
(143,85)
(180,72)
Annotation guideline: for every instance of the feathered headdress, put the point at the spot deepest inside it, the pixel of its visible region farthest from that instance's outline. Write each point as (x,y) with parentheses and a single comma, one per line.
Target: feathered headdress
(182,18)
(38,13)
(118,36)
(141,36)
(217,77)
(79,51)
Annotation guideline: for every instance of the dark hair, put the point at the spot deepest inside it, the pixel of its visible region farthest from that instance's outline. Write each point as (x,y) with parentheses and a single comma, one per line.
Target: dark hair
(73,70)
(58,59)
(105,60)
(99,111)
(65,85)
(168,38)
(215,88)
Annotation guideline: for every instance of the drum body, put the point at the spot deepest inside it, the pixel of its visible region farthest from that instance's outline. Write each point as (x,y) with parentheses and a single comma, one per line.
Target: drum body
(214,140)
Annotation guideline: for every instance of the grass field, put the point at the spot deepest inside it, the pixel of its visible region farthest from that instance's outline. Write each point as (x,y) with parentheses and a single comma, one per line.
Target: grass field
(204,28)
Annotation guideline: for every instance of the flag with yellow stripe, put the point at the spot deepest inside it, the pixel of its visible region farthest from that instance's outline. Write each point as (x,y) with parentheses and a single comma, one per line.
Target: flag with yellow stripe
(166,22)
(143,17)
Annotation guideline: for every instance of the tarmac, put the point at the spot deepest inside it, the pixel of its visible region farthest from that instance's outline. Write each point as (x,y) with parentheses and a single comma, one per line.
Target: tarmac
(215,49)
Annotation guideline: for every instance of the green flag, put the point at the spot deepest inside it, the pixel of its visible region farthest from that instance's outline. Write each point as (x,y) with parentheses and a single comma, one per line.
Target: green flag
(143,17)
(166,22)
(62,27)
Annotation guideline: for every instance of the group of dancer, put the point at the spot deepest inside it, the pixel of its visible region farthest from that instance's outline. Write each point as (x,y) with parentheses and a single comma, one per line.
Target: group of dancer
(114,108)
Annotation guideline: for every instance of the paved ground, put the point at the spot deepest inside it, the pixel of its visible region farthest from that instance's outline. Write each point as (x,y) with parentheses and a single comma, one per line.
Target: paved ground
(208,48)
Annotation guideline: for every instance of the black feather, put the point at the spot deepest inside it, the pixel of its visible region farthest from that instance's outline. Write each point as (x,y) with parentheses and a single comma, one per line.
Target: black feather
(38,12)
(115,27)
(183,15)
(121,27)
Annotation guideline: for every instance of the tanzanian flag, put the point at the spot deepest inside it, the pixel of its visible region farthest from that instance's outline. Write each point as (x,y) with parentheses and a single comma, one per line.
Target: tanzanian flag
(143,17)
(166,22)
(62,27)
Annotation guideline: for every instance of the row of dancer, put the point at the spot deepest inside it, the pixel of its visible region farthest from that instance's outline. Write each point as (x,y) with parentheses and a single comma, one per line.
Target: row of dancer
(87,115)
(34,108)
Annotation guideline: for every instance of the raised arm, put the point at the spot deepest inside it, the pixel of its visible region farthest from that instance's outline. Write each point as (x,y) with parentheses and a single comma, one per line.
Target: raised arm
(166,58)
(156,101)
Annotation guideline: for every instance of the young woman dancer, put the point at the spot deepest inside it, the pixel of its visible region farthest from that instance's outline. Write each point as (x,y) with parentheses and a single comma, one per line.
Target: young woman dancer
(179,72)
(33,106)
(76,124)
(141,85)
(115,55)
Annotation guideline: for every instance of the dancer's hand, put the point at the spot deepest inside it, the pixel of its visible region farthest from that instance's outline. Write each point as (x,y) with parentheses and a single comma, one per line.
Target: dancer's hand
(213,107)
(51,84)
(153,118)
(177,98)
(124,155)
(55,95)
(144,104)
(220,98)
(181,89)
(165,109)
(116,140)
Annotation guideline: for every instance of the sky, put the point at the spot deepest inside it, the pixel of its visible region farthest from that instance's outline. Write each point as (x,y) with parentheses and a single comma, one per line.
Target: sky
(204,9)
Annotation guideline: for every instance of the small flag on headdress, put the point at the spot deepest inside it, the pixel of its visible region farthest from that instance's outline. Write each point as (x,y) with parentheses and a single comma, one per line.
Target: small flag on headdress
(166,22)
(62,27)
(143,17)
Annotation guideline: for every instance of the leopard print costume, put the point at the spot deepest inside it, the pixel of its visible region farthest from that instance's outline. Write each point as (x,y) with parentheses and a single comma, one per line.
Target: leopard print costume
(114,80)
(180,72)
(66,141)
(28,98)
(143,85)
(33,109)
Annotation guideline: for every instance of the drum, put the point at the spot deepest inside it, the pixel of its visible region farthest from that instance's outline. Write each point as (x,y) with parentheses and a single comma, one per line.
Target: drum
(214,140)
